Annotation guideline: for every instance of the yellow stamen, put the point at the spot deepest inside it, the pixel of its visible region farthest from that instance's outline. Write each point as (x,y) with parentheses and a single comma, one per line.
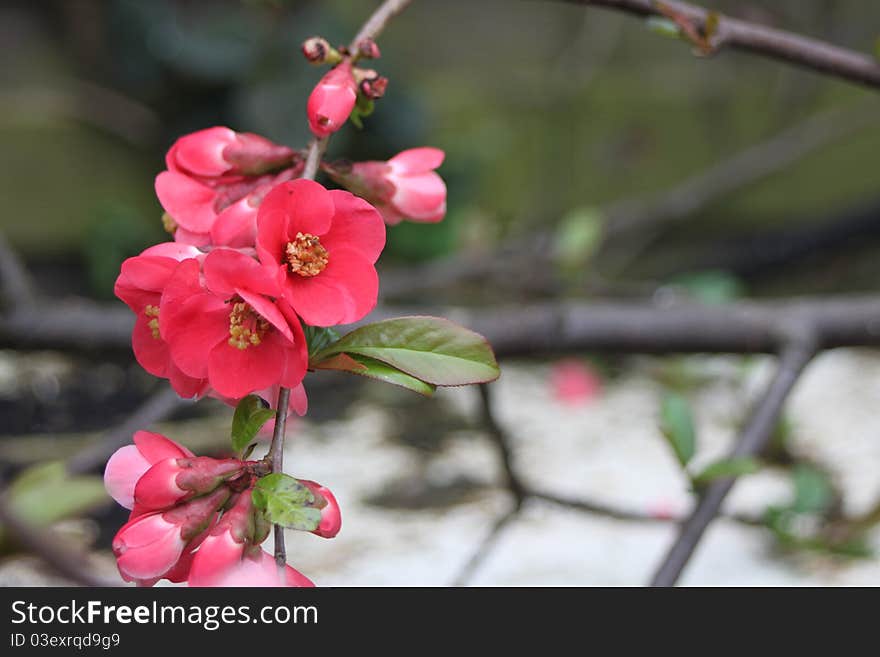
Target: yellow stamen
(168,223)
(246,327)
(153,313)
(306,256)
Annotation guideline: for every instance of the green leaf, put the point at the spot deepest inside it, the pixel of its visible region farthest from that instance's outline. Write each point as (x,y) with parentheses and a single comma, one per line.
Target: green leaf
(285,501)
(732,467)
(318,338)
(578,237)
(431,349)
(250,415)
(45,493)
(677,426)
(813,492)
(378,370)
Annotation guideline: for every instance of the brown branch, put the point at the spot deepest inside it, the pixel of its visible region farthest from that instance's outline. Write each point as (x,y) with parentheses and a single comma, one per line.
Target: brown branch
(370,30)
(485,548)
(802,51)
(753,439)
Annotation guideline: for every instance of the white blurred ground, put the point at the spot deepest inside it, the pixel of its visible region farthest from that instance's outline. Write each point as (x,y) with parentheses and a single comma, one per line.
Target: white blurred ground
(608,451)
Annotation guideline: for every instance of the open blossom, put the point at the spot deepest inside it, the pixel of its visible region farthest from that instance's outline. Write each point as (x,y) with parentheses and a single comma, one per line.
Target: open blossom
(404,187)
(215,181)
(128,464)
(151,546)
(230,327)
(322,247)
(140,284)
(332,100)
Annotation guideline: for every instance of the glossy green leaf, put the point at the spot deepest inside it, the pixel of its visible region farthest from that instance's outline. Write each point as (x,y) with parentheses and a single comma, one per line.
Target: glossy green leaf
(378,370)
(732,467)
(431,349)
(318,338)
(250,415)
(677,426)
(285,501)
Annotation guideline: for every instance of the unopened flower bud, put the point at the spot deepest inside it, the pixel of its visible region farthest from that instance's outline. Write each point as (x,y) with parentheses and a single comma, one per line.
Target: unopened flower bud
(331,517)
(332,100)
(368,49)
(319,51)
(374,88)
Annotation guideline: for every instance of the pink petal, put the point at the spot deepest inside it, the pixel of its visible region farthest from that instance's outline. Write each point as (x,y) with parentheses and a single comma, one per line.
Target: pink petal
(217,556)
(417,160)
(148,547)
(237,372)
(189,202)
(236,226)
(421,197)
(151,353)
(268,311)
(155,447)
(356,224)
(174,250)
(123,469)
(157,488)
(148,272)
(193,330)
(226,271)
(202,152)
(345,291)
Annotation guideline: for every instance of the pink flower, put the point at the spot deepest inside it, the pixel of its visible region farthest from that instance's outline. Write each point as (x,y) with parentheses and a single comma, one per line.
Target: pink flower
(574,383)
(140,284)
(230,327)
(331,517)
(404,187)
(149,546)
(332,100)
(215,181)
(322,246)
(128,464)
(258,568)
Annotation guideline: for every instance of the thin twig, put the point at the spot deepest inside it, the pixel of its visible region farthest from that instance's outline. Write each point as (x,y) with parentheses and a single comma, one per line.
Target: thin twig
(370,30)
(753,439)
(776,44)
(485,548)
(504,448)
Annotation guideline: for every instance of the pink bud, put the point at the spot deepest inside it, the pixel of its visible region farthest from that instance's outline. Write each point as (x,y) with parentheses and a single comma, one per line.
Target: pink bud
(258,568)
(404,187)
(332,100)
(219,151)
(147,547)
(171,481)
(128,464)
(331,517)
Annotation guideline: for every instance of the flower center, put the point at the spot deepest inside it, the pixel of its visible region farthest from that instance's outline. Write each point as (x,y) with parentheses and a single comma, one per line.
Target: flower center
(246,327)
(153,313)
(306,256)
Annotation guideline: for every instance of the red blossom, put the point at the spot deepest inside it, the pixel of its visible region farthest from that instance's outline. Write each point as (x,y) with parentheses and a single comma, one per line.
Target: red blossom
(322,246)
(140,284)
(229,326)
(128,464)
(215,181)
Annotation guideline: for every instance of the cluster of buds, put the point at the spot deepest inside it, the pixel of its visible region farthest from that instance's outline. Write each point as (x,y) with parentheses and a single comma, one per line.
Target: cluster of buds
(346,88)
(193,518)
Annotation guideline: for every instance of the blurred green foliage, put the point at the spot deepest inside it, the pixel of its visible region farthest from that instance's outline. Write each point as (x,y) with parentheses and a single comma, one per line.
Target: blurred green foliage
(541,107)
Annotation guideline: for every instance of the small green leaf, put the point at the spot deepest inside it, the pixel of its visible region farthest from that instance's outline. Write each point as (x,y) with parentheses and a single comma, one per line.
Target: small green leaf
(375,369)
(677,425)
(813,492)
(285,501)
(318,338)
(578,237)
(250,415)
(732,467)
(431,349)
